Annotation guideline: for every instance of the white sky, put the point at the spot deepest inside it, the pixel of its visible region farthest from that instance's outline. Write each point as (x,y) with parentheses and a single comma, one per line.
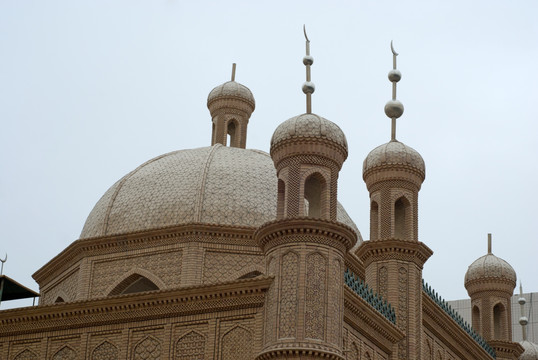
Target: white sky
(91,89)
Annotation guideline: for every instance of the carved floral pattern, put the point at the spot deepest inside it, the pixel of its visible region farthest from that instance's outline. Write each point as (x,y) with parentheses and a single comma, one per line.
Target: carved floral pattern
(316,289)
(65,353)
(402,311)
(288,301)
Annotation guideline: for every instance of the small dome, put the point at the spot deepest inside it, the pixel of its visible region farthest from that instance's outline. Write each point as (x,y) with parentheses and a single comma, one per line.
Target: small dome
(490,266)
(531,351)
(231,89)
(309,126)
(394,153)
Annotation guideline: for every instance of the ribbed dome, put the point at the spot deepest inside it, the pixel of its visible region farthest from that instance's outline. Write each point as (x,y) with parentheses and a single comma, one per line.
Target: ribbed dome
(490,266)
(212,185)
(231,89)
(309,126)
(394,153)
(531,351)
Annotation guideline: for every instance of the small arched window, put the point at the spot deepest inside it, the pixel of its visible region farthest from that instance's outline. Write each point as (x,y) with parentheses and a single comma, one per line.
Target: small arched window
(59,299)
(402,219)
(498,315)
(281,200)
(476,319)
(314,193)
(374,221)
(231,132)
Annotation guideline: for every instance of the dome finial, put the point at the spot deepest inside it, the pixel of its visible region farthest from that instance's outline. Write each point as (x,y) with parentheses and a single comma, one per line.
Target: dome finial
(233,72)
(394,108)
(489,243)
(308,86)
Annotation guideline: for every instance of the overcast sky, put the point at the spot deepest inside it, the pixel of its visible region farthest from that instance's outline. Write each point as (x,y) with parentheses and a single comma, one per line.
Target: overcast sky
(89,90)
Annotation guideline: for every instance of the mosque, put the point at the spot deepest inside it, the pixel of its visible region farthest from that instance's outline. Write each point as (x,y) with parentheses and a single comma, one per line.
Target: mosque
(224,252)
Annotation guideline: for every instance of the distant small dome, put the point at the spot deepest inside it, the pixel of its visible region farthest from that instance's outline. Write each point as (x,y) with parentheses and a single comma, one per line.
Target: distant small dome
(394,153)
(531,351)
(309,126)
(490,266)
(231,89)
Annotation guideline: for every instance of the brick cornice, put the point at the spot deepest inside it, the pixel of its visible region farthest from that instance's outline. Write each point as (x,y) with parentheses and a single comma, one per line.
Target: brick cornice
(82,248)
(393,172)
(273,233)
(301,146)
(451,334)
(393,249)
(507,349)
(233,295)
(504,286)
(369,322)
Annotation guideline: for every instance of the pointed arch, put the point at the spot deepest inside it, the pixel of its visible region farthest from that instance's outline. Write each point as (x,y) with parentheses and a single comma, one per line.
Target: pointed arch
(315,196)
(250,275)
(402,218)
(190,346)
(25,354)
(499,323)
(475,316)
(147,348)
(105,351)
(61,297)
(281,199)
(135,280)
(233,131)
(237,344)
(65,353)
(374,220)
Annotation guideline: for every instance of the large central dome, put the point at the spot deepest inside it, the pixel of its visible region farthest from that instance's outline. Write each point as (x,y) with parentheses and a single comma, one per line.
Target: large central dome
(211,185)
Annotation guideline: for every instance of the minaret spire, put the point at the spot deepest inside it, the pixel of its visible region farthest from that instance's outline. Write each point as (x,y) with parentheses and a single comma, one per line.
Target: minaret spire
(489,243)
(523,321)
(394,108)
(233,72)
(308,86)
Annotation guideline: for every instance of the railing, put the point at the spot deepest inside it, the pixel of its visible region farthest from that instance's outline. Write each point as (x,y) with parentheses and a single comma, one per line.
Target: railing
(364,291)
(457,318)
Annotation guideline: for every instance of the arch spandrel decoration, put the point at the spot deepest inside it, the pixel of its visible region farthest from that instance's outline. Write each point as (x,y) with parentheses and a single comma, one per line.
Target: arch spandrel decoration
(236,344)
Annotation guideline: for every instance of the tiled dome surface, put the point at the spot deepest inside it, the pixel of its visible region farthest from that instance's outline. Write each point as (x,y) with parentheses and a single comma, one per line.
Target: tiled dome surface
(309,125)
(394,153)
(490,266)
(531,351)
(212,185)
(231,88)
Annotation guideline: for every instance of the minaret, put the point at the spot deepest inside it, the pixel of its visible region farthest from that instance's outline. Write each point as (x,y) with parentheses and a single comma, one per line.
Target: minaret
(393,258)
(531,349)
(230,105)
(304,248)
(490,282)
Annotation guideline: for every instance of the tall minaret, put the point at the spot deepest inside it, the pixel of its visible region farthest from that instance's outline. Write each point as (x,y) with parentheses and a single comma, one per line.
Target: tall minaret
(531,349)
(393,258)
(304,248)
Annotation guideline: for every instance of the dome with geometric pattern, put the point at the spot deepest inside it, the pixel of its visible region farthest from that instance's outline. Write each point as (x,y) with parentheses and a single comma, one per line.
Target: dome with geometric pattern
(309,126)
(490,266)
(231,89)
(394,153)
(210,185)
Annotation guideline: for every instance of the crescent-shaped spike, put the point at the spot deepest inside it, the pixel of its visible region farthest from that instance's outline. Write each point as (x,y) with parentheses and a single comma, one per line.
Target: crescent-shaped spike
(5,259)
(306,36)
(392,49)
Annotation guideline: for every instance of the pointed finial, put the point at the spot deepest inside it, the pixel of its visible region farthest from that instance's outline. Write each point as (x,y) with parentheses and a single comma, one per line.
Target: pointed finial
(3,261)
(233,72)
(489,243)
(308,86)
(394,108)
(523,321)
